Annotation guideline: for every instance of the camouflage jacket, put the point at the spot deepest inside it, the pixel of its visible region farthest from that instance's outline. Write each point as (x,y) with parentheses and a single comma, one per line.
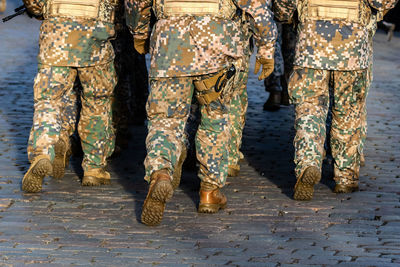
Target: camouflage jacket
(331,44)
(196,45)
(73,42)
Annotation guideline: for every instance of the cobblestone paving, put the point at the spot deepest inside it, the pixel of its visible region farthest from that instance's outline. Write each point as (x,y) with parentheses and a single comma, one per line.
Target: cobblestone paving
(68,224)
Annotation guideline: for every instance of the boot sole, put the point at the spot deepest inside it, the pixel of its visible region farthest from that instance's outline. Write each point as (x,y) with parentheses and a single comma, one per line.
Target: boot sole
(93,181)
(304,188)
(33,179)
(211,208)
(154,205)
(60,161)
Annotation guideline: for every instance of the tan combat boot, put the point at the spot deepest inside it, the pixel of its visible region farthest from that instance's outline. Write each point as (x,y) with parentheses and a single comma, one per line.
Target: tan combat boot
(33,178)
(62,151)
(233,170)
(346,188)
(160,191)
(304,188)
(95,177)
(211,198)
(176,177)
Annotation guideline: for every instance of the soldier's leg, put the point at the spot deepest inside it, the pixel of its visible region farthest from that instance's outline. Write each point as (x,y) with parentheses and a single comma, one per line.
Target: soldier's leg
(308,90)
(120,105)
(95,125)
(62,148)
(51,85)
(212,140)
(346,132)
(364,126)
(237,119)
(288,47)
(168,108)
(273,82)
(139,87)
(191,127)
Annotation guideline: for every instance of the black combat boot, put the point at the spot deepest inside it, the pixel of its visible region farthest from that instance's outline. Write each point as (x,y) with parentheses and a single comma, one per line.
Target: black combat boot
(273,102)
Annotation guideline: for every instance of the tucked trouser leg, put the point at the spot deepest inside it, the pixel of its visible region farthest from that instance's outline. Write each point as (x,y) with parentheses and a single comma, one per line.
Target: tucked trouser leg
(95,125)
(308,90)
(347,123)
(53,85)
(168,108)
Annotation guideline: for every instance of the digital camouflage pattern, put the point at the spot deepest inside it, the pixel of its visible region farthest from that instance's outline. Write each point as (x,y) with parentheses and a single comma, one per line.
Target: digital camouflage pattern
(53,95)
(168,108)
(198,45)
(184,49)
(330,45)
(131,91)
(273,82)
(337,53)
(62,123)
(237,118)
(239,102)
(309,91)
(71,48)
(237,107)
(284,59)
(75,43)
(372,27)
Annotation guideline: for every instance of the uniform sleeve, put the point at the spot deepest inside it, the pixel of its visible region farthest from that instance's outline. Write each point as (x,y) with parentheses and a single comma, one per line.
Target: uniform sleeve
(137,15)
(382,5)
(284,10)
(265,29)
(34,7)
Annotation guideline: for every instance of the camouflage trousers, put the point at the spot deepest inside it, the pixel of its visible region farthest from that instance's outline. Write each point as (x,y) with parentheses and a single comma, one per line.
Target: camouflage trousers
(273,81)
(364,124)
(168,109)
(237,118)
(55,111)
(131,91)
(309,91)
(285,47)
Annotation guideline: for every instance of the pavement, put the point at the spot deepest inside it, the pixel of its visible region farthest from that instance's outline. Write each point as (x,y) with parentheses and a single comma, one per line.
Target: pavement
(67,224)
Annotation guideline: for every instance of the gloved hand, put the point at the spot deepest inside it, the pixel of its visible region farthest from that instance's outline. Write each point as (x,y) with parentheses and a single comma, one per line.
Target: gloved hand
(142,46)
(34,8)
(267,67)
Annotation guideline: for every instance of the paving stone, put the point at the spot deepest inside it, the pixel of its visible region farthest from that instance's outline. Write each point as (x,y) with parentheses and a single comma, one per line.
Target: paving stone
(67,224)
